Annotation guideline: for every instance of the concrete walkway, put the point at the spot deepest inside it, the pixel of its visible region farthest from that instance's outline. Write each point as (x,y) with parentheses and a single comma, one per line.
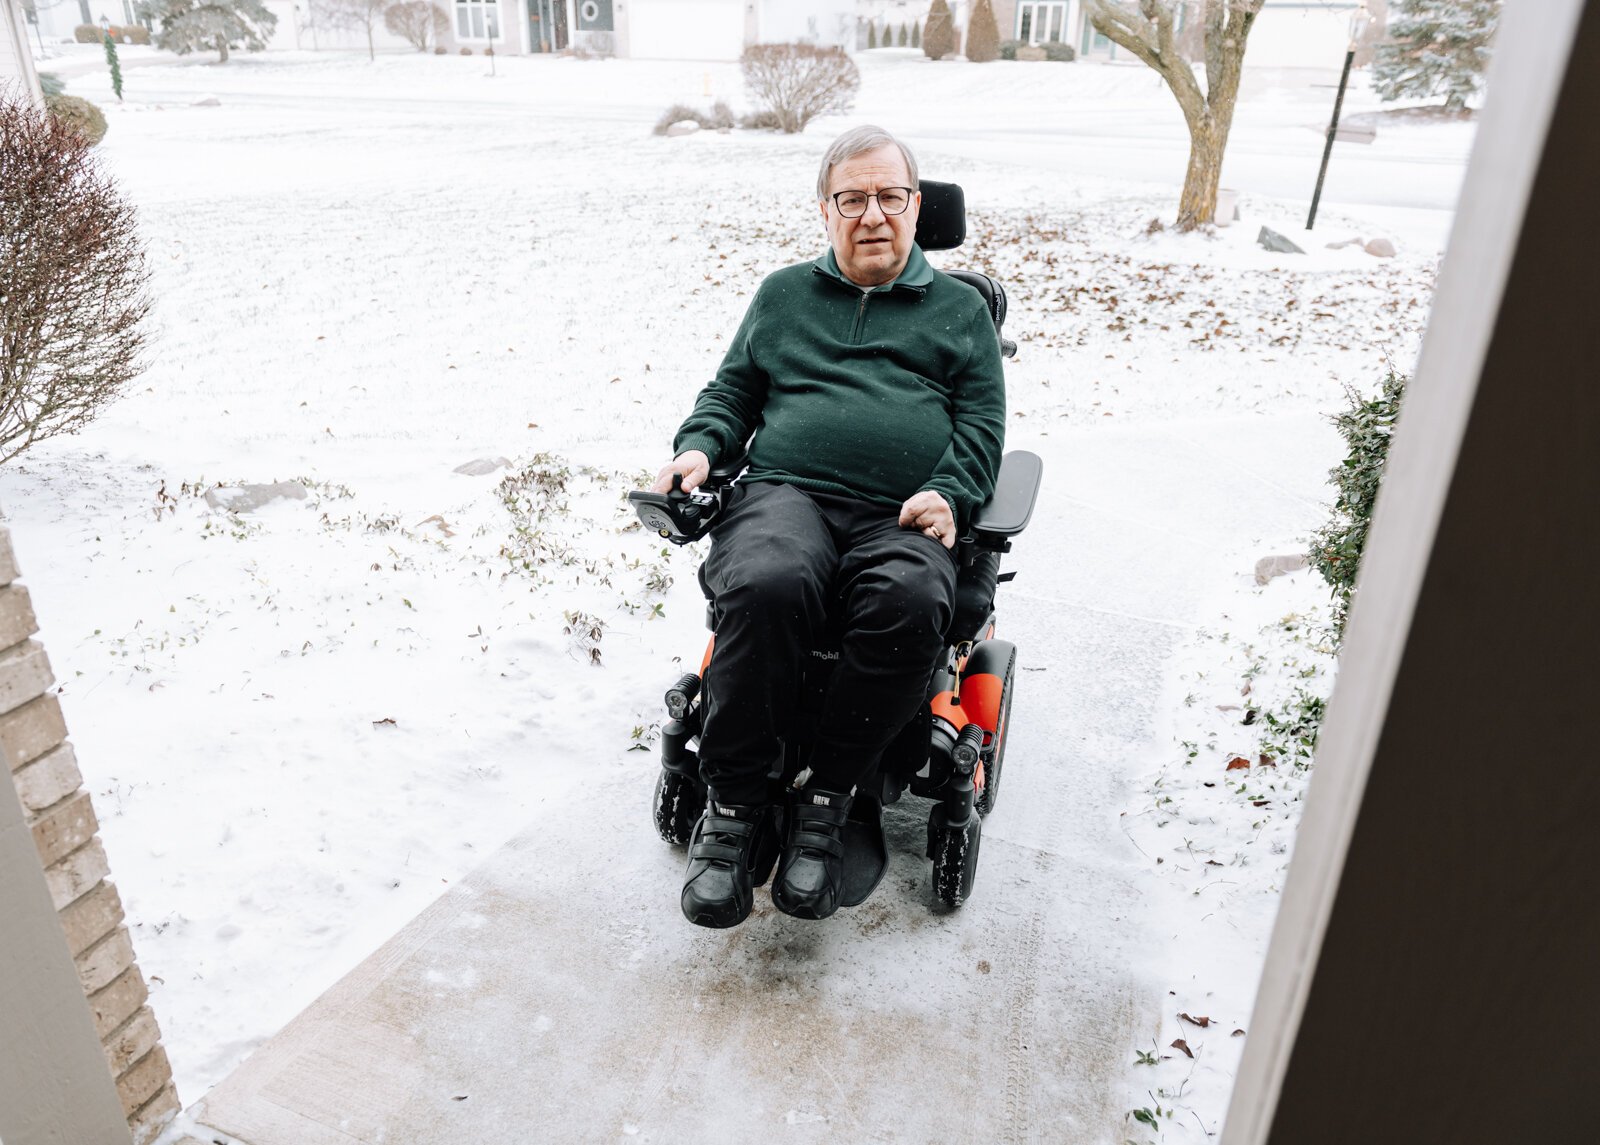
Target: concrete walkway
(556,995)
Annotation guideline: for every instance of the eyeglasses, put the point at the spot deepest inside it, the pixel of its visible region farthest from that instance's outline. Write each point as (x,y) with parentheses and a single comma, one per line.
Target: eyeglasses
(891,201)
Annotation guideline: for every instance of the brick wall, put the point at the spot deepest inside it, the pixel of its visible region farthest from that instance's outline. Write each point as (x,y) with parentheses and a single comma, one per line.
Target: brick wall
(61,817)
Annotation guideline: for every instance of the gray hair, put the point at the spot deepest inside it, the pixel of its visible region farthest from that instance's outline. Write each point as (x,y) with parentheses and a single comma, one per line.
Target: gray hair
(858,141)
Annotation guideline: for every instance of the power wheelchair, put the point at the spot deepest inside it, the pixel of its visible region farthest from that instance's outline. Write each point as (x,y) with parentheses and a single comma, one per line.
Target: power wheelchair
(952,751)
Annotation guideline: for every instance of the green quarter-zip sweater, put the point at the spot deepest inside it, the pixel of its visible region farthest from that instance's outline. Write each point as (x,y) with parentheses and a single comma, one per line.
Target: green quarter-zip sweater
(875,394)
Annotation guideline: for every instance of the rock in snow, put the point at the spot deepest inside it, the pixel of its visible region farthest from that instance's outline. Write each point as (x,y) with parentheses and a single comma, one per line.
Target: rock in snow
(1269,567)
(683,127)
(1380,248)
(483,466)
(1272,240)
(246,498)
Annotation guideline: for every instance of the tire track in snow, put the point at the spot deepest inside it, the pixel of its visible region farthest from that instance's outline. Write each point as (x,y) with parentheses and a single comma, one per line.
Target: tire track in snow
(1019,1031)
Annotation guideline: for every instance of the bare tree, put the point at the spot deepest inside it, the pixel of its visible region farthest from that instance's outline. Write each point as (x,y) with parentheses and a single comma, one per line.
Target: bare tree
(1147,28)
(363,14)
(418,22)
(72,281)
(798,82)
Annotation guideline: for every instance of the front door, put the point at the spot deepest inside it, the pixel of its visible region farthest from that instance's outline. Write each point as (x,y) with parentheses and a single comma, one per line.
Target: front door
(547,25)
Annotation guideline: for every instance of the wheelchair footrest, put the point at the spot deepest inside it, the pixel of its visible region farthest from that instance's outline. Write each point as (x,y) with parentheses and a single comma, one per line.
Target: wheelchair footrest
(866,851)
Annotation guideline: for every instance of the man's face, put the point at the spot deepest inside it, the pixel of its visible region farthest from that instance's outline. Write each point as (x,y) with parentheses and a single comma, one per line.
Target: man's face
(872,249)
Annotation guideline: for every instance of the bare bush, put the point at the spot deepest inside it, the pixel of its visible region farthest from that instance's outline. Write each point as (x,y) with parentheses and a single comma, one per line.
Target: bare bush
(720,117)
(72,281)
(677,113)
(417,22)
(798,82)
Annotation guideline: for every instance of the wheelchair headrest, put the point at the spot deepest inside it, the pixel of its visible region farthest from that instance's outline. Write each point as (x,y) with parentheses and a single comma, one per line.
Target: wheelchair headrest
(942,222)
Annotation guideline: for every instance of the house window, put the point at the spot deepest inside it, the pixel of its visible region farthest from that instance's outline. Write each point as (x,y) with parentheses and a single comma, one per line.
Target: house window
(477,20)
(1042,22)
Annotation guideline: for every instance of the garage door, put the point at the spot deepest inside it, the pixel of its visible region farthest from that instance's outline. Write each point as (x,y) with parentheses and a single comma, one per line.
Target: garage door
(685,29)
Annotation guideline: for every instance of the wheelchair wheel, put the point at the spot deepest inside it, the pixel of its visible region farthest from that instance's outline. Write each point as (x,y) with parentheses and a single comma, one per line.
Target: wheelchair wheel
(991,767)
(678,803)
(994,658)
(954,851)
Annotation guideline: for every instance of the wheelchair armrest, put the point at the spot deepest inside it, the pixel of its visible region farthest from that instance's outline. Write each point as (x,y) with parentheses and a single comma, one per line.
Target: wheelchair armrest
(728,468)
(1007,512)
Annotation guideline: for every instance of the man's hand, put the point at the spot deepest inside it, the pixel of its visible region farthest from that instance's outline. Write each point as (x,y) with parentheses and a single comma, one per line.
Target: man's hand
(930,513)
(694,465)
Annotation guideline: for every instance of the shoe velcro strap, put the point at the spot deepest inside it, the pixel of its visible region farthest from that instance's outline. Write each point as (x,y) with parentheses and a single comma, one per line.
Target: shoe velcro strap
(811,840)
(715,852)
(722,825)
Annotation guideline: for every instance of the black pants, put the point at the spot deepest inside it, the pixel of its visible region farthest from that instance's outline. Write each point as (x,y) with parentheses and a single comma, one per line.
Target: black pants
(779,559)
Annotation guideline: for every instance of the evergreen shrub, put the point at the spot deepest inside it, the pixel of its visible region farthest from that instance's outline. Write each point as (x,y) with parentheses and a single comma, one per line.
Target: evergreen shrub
(939,39)
(1436,47)
(1008,49)
(1367,425)
(80,115)
(983,34)
(1060,53)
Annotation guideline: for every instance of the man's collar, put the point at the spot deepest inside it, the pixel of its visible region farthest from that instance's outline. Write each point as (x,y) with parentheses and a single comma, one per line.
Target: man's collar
(916,275)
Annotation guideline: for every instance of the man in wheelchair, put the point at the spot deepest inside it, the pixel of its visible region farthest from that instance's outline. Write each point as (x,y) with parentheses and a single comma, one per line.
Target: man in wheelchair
(873,387)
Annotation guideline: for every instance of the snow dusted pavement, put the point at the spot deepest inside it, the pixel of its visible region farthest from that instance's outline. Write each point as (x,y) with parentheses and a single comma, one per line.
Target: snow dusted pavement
(400,715)
(555,987)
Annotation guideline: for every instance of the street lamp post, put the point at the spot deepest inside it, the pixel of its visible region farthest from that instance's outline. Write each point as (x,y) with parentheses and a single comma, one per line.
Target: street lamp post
(1358,24)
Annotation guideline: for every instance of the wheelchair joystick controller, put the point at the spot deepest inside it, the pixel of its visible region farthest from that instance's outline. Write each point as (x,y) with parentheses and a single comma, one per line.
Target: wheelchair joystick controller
(678,516)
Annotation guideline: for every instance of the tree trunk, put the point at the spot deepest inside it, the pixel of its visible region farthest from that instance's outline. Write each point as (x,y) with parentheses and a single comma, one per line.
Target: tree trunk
(222,48)
(371,53)
(1148,32)
(1197,205)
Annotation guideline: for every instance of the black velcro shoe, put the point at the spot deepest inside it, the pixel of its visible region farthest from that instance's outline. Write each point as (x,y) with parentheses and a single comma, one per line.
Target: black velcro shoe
(717,886)
(811,869)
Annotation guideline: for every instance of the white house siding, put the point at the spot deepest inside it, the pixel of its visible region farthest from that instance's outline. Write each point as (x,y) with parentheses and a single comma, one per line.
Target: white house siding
(16,61)
(1299,35)
(685,29)
(1286,34)
(54,20)
(830,22)
(300,28)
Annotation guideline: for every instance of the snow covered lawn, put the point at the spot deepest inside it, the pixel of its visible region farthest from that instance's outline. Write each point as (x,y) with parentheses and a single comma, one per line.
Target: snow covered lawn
(302,723)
